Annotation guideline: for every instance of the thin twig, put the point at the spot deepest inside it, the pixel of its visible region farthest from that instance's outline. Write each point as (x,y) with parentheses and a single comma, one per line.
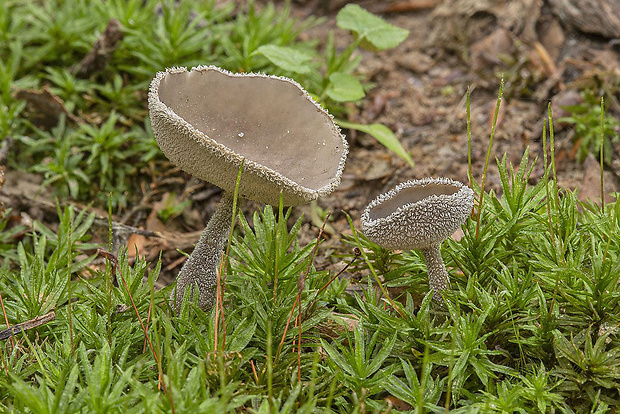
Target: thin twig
(24,326)
(288,322)
(357,253)
(148,319)
(109,256)
(300,287)
(254,371)
(6,319)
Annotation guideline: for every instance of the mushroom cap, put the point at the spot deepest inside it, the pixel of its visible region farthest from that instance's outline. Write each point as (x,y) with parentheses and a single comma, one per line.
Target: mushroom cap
(208,121)
(417,214)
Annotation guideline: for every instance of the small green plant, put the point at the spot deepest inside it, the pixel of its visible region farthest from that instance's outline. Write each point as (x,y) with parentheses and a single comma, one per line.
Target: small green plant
(172,208)
(64,169)
(534,303)
(107,121)
(531,322)
(587,120)
(7,238)
(108,147)
(42,282)
(360,364)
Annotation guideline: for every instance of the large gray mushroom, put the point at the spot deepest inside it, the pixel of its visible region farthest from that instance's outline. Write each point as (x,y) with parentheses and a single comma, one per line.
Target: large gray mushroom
(209,121)
(420,214)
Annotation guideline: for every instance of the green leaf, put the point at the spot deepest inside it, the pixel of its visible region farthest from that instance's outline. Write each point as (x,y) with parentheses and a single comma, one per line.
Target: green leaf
(286,58)
(344,88)
(337,358)
(382,134)
(242,335)
(381,356)
(371,28)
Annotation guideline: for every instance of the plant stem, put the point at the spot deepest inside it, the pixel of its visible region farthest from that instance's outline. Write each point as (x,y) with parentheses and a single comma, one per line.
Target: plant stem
(601,159)
(470,174)
(486,162)
(221,277)
(437,273)
(546,179)
(70,287)
(200,269)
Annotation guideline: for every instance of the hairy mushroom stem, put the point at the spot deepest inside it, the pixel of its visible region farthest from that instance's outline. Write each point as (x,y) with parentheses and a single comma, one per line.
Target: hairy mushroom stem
(437,273)
(420,214)
(208,122)
(200,269)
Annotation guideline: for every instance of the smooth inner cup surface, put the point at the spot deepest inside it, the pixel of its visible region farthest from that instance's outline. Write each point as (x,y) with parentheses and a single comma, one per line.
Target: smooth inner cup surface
(266,120)
(410,195)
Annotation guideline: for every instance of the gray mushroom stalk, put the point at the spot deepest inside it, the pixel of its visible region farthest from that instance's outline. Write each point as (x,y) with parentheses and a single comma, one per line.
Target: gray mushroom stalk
(209,121)
(420,214)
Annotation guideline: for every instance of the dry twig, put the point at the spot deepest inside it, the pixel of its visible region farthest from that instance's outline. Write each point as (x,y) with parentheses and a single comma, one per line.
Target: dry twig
(24,326)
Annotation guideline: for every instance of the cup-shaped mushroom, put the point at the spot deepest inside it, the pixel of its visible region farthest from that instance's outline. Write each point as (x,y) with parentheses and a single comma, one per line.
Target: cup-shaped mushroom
(420,214)
(209,122)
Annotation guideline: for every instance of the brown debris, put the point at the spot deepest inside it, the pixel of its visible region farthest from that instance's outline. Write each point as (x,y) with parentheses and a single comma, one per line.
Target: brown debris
(337,325)
(43,108)
(97,59)
(398,404)
(490,49)
(24,326)
(590,186)
(461,21)
(415,61)
(410,5)
(551,36)
(568,97)
(601,17)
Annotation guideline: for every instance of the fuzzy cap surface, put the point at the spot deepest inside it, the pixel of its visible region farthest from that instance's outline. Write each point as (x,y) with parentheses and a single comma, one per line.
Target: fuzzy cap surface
(208,121)
(417,214)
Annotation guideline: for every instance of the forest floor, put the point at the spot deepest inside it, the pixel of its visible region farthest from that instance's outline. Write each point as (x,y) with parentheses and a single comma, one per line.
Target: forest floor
(421,87)
(419,92)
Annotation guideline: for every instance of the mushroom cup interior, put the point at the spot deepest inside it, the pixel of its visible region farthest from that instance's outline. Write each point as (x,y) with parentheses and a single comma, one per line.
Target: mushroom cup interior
(267,120)
(410,195)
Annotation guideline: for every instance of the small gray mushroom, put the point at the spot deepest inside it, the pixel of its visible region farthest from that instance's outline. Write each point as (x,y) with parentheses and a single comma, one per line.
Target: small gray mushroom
(420,214)
(209,121)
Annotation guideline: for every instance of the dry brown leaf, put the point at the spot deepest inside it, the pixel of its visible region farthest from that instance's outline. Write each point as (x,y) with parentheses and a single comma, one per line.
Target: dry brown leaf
(43,107)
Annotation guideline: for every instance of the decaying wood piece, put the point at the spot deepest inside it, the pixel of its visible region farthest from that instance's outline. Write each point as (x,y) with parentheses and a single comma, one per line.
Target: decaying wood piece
(24,326)
(464,21)
(404,6)
(600,17)
(103,49)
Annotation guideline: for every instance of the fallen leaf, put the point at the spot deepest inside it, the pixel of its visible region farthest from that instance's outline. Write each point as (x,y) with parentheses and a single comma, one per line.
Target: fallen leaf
(43,107)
